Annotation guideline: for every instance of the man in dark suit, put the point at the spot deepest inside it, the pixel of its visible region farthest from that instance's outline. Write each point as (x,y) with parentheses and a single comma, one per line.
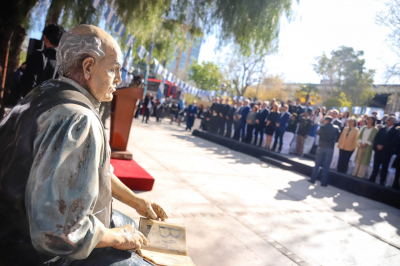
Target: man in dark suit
(280,127)
(297,109)
(290,104)
(147,105)
(224,118)
(41,64)
(242,119)
(384,145)
(229,120)
(261,118)
(307,108)
(236,120)
(214,116)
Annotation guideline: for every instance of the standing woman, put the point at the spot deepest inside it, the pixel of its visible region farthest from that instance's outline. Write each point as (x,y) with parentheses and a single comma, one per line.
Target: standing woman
(347,144)
(270,126)
(251,123)
(316,118)
(365,146)
(173,111)
(191,113)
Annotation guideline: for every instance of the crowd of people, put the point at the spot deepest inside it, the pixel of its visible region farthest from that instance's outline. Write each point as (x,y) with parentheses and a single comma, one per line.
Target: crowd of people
(366,135)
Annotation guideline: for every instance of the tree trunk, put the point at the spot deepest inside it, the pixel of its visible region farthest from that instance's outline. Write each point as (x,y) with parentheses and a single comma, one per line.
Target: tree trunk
(53,15)
(13,14)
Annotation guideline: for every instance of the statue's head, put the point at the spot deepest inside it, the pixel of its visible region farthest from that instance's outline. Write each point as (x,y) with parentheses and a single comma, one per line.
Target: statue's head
(91,57)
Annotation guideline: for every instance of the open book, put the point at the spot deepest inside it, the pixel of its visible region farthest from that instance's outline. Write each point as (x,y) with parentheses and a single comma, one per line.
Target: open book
(166,243)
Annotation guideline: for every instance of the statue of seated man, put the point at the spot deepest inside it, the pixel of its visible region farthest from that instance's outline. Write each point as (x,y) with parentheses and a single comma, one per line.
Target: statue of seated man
(56,182)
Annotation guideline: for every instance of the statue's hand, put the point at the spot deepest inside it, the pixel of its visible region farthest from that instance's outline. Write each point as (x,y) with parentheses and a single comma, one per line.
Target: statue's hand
(151,210)
(128,238)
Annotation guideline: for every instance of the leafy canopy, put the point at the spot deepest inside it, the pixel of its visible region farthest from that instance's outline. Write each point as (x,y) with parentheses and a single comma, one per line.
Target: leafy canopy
(346,73)
(206,75)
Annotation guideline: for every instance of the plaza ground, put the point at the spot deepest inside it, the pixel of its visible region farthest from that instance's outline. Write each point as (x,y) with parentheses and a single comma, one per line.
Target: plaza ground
(241,211)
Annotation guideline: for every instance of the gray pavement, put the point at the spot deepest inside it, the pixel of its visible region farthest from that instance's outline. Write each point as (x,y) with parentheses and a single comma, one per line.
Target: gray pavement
(241,211)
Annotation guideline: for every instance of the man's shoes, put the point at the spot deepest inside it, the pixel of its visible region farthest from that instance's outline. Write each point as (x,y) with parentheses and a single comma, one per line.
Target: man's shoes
(324,185)
(312,182)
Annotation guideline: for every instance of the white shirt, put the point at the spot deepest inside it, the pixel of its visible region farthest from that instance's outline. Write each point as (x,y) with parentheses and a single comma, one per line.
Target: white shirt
(149,105)
(365,136)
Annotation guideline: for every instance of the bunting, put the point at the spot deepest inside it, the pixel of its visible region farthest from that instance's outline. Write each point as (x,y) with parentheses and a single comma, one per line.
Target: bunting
(140,51)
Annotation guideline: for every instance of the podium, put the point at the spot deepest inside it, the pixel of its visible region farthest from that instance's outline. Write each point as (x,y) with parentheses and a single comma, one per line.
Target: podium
(123,108)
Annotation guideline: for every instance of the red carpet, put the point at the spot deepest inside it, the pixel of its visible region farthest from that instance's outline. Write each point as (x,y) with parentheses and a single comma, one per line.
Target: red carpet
(132,175)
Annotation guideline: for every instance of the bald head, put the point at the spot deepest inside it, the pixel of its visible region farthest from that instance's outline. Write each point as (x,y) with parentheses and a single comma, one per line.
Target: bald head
(81,42)
(92,58)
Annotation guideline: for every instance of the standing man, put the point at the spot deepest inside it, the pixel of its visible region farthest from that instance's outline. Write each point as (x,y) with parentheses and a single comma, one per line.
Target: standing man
(289,103)
(334,113)
(302,133)
(384,146)
(280,127)
(298,109)
(147,105)
(191,113)
(214,115)
(307,108)
(261,120)
(236,120)
(328,134)
(224,119)
(41,64)
(221,118)
(230,119)
(242,119)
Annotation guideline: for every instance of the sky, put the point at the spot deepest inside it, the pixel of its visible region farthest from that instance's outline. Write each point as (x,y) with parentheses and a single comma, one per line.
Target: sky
(321,26)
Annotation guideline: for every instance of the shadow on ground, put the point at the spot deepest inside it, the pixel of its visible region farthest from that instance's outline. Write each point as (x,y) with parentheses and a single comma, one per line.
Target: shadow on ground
(370,212)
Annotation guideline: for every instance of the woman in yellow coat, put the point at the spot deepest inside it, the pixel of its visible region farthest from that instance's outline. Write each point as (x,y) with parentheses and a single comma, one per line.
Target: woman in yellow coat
(347,144)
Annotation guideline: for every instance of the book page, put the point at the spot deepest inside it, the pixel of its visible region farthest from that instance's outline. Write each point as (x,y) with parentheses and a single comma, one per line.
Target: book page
(164,237)
(162,259)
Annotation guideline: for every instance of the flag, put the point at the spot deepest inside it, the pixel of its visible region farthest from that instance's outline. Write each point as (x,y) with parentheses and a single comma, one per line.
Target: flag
(368,110)
(156,62)
(234,97)
(397,115)
(357,110)
(165,75)
(130,40)
(241,98)
(120,29)
(159,69)
(170,77)
(160,92)
(110,16)
(140,51)
(96,3)
(125,67)
(344,109)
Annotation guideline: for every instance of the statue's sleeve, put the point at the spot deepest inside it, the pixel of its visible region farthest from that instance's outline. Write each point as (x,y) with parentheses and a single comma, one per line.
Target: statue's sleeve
(63,184)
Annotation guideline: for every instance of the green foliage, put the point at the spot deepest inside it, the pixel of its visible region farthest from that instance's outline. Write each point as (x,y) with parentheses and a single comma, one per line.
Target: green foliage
(346,73)
(308,92)
(206,75)
(338,100)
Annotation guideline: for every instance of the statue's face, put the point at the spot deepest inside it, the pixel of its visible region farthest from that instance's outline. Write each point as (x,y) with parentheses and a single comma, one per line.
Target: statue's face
(106,74)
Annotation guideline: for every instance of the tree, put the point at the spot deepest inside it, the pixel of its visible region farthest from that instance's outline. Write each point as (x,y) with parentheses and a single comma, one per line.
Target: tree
(271,87)
(253,27)
(242,71)
(346,73)
(206,75)
(308,92)
(337,101)
(390,19)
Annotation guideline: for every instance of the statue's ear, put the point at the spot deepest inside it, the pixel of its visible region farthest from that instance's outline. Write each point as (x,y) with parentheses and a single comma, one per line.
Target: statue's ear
(87,66)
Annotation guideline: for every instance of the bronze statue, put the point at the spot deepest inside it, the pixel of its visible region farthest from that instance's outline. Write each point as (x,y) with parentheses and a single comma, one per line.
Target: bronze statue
(56,182)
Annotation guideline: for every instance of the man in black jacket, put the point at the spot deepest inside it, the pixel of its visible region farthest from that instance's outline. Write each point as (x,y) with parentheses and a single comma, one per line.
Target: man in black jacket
(215,107)
(223,116)
(384,144)
(229,121)
(328,134)
(261,118)
(41,64)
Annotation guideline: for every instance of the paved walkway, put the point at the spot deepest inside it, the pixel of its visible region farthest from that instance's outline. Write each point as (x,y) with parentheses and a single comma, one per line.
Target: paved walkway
(241,211)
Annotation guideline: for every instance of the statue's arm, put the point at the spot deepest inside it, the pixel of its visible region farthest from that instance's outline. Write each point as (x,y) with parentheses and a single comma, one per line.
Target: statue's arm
(144,207)
(62,188)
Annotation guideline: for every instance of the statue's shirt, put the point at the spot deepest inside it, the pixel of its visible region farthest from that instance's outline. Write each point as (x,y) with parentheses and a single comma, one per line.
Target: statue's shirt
(68,190)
